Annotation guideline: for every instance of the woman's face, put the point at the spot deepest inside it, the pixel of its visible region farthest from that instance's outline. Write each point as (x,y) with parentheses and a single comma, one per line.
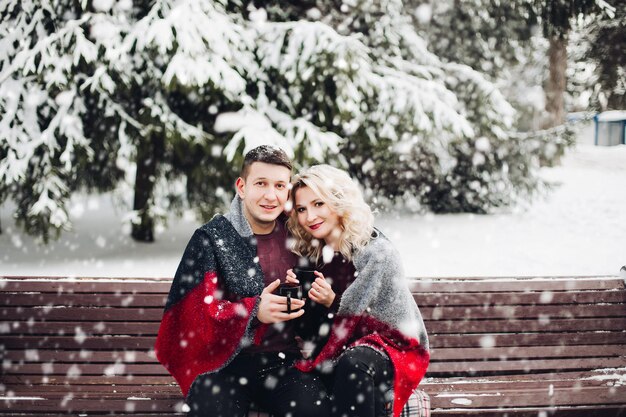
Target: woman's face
(316,216)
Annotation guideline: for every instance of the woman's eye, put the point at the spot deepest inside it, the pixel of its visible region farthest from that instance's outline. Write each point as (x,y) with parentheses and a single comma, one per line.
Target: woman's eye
(319,204)
(300,210)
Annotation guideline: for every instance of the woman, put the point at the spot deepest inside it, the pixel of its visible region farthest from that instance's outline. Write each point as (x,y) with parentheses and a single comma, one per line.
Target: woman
(377,339)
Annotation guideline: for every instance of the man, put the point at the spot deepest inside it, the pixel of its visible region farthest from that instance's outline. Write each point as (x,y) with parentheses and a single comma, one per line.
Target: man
(225,337)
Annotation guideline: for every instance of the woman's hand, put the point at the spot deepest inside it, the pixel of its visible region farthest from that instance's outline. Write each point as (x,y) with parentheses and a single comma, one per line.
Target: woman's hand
(291,277)
(321,292)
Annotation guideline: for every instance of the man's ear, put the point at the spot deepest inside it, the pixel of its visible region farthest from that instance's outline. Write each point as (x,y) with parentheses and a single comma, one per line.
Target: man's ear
(240,184)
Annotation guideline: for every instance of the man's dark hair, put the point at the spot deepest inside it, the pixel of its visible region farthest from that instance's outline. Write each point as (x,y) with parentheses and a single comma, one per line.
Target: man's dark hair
(265,153)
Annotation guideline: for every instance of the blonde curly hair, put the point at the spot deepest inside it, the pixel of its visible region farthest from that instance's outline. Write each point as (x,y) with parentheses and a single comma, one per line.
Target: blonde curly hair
(342,194)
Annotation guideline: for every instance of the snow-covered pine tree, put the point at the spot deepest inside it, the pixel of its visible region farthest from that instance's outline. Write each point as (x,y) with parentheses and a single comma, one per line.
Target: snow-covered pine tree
(172,91)
(434,132)
(45,55)
(175,64)
(607,37)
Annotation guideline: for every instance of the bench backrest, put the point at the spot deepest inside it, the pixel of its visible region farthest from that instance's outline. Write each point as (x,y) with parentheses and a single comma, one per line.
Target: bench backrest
(523,326)
(86,336)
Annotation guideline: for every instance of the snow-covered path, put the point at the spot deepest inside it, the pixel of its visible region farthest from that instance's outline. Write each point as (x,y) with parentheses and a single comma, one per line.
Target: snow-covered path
(580,229)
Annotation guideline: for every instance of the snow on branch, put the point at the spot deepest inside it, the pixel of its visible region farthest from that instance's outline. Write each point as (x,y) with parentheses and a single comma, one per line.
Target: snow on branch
(206,45)
(171,122)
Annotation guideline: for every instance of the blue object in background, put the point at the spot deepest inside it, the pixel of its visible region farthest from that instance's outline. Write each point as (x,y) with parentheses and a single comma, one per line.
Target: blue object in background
(610,128)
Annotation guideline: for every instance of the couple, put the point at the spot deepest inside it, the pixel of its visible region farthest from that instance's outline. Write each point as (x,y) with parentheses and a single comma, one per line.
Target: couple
(230,341)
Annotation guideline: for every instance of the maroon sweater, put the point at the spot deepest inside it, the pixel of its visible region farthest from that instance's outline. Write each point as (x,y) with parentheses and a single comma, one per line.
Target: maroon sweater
(275,260)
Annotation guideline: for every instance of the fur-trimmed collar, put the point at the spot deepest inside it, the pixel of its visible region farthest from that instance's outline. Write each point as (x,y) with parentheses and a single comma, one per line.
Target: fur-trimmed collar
(237,218)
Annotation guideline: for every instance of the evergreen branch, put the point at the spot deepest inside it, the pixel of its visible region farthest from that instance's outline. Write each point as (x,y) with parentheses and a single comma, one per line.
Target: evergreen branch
(21,57)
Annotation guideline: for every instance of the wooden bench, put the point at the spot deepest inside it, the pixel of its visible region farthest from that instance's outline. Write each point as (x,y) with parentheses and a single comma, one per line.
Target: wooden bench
(500,347)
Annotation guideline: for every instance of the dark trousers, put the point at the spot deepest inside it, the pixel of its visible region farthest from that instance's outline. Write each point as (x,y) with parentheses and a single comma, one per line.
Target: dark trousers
(266,380)
(361,383)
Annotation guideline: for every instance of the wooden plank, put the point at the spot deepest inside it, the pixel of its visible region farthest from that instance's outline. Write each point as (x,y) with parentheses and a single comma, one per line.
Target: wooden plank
(429,313)
(83,300)
(87,285)
(513,284)
(151,285)
(575,377)
(586,397)
(156,413)
(523,312)
(528,339)
(164,391)
(74,370)
(39,327)
(89,342)
(437,368)
(437,354)
(130,299)
(79,406)
(520,298)
(105,394)
(494,384)
(522,366)
(486,340)
(81,314)
(517,352)
(79,356)
(545,324)
(136,381)
(93,328)
(558,411)
(529,398)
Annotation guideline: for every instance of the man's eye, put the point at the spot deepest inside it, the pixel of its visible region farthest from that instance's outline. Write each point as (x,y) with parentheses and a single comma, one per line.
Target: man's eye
(280,185)
(260,183)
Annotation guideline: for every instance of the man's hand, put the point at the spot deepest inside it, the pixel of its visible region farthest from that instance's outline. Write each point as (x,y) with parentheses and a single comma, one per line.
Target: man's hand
(273,308)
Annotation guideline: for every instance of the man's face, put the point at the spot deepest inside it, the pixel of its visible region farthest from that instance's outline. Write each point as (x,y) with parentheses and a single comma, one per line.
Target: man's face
(264,193)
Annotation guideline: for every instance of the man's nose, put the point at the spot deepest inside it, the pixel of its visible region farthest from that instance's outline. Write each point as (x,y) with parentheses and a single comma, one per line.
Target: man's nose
(270,194)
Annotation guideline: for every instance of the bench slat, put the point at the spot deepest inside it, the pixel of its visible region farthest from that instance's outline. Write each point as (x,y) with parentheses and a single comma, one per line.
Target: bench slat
(434,326)
(560,411)
(530,325)
(514,284)
(559,396)
(528,339)
(447,340)
(522,312)
(129,299)
(429,313)
(83,300)
(55,285)
(420,285)
(520,298)
(539,397)
(437,354)
(76,314)
(523,366)
(436,368)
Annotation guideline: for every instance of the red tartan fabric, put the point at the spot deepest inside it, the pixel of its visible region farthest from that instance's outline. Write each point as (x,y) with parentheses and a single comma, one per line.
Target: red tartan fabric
(201,332)
(410,360)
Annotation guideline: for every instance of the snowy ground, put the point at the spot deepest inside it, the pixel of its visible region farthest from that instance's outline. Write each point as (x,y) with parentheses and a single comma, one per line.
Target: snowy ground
(580,229)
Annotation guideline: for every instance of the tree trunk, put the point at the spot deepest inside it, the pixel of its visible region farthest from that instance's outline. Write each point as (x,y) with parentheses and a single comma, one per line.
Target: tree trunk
(557,82)
(149,153)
